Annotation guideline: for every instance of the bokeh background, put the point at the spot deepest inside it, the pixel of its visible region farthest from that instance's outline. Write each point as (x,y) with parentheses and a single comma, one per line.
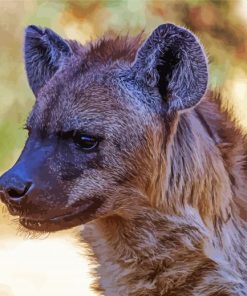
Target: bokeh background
(55,265)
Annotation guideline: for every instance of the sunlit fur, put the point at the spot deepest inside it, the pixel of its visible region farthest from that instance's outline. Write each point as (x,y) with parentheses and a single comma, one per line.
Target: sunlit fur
(190,237)
(171,178)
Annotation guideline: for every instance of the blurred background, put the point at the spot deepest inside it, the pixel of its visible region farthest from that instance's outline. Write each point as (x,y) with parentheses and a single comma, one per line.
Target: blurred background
(55,265)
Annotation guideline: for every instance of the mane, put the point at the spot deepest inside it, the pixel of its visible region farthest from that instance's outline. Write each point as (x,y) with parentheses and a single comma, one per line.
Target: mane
(110,47)
(229,136)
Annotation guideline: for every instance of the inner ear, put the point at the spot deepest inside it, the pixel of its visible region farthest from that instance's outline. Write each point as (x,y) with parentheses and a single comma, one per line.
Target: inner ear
(165,68)
(173,61)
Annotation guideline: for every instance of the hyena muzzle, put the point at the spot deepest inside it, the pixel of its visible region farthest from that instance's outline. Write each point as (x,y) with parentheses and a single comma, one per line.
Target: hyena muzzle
(100,123)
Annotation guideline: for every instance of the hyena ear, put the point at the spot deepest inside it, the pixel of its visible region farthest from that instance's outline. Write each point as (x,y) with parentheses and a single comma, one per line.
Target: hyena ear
(173,60)
(44,53)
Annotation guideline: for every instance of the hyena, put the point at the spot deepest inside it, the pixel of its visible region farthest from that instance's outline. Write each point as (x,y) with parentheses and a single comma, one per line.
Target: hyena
(125,139)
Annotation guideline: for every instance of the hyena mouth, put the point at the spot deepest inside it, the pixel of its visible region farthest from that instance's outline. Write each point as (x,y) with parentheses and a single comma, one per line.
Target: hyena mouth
(28,223)
(54,224)
(65,221)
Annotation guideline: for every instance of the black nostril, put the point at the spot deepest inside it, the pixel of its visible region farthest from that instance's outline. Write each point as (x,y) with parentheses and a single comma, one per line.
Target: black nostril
(16,192)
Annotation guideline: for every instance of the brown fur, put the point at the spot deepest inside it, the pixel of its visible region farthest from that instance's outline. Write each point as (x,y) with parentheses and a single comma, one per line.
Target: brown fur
(143,252)
(163,197)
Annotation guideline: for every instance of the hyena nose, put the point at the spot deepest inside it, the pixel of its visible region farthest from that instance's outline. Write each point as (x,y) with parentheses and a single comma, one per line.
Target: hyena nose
(13,189)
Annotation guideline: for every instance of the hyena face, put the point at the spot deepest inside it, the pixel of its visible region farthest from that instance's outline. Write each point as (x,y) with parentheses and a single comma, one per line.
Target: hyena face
(101,120)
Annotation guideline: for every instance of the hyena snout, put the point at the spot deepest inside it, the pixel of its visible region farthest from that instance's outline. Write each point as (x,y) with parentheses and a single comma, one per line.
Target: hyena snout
(19,188)
(23,187)
(37,189)
(14,188)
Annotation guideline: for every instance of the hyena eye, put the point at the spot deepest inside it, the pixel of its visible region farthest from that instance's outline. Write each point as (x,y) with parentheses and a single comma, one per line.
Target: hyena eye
(85,142)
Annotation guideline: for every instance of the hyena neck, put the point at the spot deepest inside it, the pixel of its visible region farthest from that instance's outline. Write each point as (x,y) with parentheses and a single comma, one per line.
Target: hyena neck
(204,170)
(157,254)
(195,173)
(190,242)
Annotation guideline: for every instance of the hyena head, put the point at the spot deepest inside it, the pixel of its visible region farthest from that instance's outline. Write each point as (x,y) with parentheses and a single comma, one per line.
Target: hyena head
(101,122)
